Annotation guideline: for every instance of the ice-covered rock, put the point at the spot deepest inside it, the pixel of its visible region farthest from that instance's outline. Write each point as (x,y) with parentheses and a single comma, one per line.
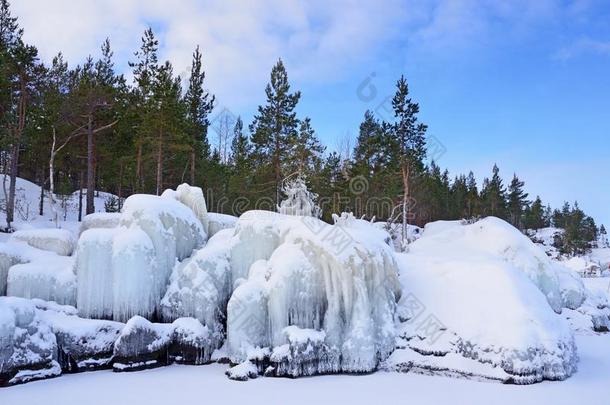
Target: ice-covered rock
(100,220)
(572,289)
(28,348)
(142,344)
(59,241)
(192,342)
(50,278)
(339,280)
(475,309)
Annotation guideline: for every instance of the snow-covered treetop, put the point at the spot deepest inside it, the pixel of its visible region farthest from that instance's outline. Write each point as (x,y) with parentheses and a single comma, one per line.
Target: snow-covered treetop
(299,200)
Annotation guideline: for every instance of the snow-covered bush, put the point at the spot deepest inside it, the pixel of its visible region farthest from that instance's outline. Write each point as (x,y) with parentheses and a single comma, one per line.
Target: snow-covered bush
(337,281)
(299,200)
(59,241)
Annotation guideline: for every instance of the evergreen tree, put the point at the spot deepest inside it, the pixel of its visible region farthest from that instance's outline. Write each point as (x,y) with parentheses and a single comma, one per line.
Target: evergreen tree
(472,196)
(199,104)
(535,217)
(306,150)
(273,131)
(493,195)
(517,202)
(409,140)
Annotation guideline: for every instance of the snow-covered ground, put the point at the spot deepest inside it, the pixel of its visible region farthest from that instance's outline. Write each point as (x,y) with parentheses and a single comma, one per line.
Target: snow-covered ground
(207,384)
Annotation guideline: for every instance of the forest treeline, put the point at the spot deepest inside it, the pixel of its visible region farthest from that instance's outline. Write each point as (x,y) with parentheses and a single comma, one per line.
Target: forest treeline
(86,127)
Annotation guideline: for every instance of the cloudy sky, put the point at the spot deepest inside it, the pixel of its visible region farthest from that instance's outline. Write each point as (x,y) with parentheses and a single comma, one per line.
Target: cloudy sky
(522,83)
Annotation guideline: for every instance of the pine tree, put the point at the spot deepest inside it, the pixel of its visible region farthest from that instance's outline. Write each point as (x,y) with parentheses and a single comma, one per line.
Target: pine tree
(200,104)
(493,195)
(145,71)
(517,201)
(535,217)
(472,196)
(274,129)
(306,150)
(409,140)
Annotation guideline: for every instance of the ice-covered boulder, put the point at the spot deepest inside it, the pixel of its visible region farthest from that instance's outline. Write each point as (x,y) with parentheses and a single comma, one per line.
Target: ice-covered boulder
(50,278)
(124,271)
(59,241)
(470,310)
(28,348)
(100,220)
(200,286)
(192,342)
(337,281)
(141,345)
(10,255)
(571,287)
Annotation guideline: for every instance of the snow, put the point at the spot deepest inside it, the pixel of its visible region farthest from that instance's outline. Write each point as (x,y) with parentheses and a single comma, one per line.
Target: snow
(59,241)
(192,197)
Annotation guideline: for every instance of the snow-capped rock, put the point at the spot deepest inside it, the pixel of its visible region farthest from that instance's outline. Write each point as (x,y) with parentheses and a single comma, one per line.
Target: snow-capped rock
(59,241)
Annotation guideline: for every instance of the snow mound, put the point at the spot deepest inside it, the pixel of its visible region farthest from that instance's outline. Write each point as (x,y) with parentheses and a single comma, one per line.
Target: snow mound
(494,238)
(132,263)
(59,241)
(337,281)
(100,220)
(472,306)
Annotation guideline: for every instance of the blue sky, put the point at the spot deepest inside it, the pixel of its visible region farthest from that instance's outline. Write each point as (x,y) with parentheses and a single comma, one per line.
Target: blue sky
(524,84)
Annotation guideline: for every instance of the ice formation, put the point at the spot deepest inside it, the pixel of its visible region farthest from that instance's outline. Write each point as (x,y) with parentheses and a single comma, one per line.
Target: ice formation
(50,279)
(200,286)
(337,281)
(124,271)
(59,241)
(475,309)
(193,198)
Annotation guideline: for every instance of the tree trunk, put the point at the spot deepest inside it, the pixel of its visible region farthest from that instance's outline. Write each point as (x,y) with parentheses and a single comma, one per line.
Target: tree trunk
(193,166)
(405,202)
(160,163)
(41,204)
(10,208)
(139,180)
(80,196)
(90,173)
(120,190)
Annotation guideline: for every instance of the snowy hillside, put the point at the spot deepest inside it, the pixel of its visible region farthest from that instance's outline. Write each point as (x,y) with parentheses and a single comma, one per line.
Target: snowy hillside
(164,282)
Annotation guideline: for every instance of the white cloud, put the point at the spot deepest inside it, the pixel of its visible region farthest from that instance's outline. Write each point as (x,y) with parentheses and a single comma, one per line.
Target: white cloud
(240,40)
